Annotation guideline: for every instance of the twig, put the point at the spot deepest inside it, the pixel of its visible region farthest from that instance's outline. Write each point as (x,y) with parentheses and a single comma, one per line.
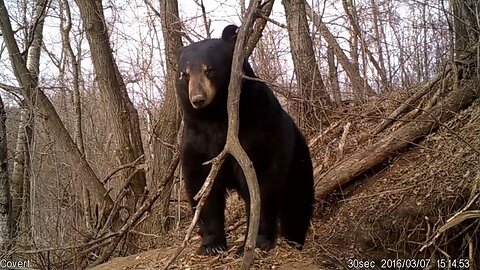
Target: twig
(343,140)
(456,219)
(147,204)
(116,206)
(121,167)
(314,141)
(279,24)
(202,198)
(407,104)
(206,22)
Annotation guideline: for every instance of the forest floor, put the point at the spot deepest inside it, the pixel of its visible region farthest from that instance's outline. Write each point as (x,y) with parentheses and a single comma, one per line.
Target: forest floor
(390,212)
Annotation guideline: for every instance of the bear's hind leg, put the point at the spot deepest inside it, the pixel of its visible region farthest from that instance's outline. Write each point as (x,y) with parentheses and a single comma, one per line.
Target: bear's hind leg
(297,197)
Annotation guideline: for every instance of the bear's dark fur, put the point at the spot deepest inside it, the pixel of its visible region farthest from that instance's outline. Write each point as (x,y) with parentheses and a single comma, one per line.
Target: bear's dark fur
(268,134)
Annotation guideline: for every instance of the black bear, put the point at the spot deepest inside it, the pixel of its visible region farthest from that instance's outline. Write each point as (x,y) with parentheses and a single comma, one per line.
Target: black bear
(273,142)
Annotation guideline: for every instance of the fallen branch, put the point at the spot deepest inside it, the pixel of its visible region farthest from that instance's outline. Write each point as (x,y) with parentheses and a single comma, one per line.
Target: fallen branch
(314,141)
(407,104)
(427,122)
(456,219)
(132,221)
(343,140)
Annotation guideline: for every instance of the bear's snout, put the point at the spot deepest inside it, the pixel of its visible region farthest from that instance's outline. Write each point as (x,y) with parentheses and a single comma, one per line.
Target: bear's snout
(198,101)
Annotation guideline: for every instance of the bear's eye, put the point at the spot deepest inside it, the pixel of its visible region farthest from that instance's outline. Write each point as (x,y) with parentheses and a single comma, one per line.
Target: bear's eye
(184,75)
(208,70)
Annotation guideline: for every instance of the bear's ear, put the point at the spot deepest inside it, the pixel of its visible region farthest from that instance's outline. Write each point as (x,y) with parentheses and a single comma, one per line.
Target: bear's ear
(229,33)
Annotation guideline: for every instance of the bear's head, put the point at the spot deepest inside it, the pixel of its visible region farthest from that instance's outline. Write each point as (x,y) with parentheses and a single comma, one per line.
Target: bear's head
(204,70)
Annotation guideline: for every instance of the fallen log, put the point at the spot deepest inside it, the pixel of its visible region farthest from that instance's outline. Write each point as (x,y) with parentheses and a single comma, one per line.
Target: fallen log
(408,104)
(428,121)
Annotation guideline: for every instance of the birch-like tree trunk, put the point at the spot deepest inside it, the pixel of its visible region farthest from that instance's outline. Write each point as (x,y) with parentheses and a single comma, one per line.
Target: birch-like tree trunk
(351,12)
(36,98)
(20,187)
(380,65)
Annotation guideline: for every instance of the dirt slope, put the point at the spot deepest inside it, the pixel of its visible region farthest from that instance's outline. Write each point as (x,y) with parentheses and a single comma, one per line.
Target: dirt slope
(390,212)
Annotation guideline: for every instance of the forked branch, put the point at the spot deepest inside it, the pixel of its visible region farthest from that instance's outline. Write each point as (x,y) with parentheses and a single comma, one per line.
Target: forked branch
(233,147)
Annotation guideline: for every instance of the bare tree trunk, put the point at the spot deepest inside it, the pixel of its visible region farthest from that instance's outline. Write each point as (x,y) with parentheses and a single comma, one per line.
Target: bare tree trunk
(333,77)
(5,198)
(351,12)
(21,184)
(123,117)
(401,57)
(465,24)
(169,117)
(20,187)
(305,65)
(380,66)
(65,28)
(35,96)
(426,51)
(352,72)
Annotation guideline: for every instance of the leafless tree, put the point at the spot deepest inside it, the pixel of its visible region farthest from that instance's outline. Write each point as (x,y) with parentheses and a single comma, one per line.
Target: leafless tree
(123,116)
(307,72)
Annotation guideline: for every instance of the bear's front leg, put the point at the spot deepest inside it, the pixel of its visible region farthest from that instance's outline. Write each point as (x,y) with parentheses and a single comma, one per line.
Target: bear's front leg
(267,231)
(212,215)
(211,223)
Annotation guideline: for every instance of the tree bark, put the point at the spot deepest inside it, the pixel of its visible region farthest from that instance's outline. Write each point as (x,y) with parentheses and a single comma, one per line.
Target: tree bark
(333,77)
(65,28)
(35,96)
(380,65)
(20,184)
(465,24)
(305,65)
(5,198)
(123,117)
(165,131)
(259,26)
(424,124)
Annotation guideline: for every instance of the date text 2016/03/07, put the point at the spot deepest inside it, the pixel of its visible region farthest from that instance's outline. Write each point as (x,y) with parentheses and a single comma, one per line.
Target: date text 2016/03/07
(408,264)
